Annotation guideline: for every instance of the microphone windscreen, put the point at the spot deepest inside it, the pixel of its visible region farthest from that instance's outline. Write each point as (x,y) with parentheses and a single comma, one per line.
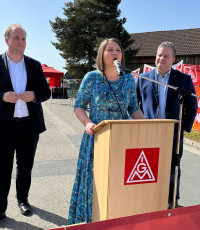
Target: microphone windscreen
(119,68)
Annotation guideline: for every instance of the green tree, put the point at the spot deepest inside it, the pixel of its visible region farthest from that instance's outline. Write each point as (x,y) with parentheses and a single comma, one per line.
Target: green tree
(87,23)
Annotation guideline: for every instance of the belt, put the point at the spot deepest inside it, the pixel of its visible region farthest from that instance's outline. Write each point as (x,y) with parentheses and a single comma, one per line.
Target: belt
(19,119)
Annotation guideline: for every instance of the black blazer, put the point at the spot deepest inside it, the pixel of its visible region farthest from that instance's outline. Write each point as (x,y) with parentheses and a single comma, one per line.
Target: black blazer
(36,82)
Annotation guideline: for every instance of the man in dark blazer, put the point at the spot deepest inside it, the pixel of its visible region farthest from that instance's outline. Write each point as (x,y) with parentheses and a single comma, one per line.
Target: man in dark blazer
(157,101)
(22,89)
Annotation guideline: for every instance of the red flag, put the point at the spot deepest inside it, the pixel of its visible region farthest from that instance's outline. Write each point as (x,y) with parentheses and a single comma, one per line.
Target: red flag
(147,68)
(178,66)
(135,71)
(193,71)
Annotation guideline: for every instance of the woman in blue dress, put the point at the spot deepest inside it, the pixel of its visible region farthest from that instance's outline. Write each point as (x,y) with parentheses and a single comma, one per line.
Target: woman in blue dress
(110,97)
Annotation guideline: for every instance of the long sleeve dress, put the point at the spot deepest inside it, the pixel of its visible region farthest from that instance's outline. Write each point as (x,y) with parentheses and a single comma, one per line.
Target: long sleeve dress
(96,92)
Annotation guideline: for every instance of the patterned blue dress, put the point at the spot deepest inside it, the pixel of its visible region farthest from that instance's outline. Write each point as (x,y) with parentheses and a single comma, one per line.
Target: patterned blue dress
(96,92)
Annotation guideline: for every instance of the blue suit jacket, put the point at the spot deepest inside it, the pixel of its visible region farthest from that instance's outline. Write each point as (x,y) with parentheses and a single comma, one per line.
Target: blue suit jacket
(148,97)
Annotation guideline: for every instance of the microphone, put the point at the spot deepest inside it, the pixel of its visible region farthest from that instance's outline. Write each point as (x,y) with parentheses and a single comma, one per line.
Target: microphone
(119,68)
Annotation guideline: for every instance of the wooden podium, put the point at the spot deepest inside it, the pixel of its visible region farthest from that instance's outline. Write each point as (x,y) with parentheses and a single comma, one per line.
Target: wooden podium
(115,142)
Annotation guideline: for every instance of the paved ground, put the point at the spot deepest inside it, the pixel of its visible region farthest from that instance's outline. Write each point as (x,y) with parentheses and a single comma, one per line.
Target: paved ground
(55,166)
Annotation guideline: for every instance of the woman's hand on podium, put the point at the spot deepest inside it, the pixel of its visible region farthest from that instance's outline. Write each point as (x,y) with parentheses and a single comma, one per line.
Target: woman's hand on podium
(89,128)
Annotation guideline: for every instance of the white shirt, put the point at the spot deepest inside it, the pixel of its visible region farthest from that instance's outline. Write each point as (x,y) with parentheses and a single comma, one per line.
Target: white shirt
(162,92)
(19,79)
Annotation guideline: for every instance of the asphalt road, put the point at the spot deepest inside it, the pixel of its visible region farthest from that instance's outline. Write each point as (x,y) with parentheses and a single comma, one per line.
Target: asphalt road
(55,167)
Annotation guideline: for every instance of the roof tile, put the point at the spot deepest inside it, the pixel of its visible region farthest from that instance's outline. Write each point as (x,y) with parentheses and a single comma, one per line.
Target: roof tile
(187,42)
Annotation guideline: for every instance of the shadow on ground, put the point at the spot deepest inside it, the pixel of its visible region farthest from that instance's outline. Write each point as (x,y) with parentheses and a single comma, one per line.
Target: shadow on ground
(10,223)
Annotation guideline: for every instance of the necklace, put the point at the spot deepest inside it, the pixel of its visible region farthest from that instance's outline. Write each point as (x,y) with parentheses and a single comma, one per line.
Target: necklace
(109,77)
(115,78)
(114,95)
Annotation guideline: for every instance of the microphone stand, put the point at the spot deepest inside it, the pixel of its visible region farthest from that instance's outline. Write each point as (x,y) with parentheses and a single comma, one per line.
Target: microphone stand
(181,95)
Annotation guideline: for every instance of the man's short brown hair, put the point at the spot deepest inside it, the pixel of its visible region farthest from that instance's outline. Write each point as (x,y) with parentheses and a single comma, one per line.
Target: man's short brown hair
(13,27)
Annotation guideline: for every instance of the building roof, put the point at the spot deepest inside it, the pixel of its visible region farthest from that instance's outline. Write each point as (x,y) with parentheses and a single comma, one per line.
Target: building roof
(187,42)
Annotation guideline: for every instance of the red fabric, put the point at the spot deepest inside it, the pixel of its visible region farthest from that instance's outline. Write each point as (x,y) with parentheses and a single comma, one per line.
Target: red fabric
(55,81)
(53,76)
(174,219)
(137,71)
(196,125)
(147,68)
(51,72)
(193,71)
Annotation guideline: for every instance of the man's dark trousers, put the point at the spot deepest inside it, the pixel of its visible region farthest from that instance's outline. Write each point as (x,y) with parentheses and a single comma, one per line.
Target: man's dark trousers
(24,141)
(173,165)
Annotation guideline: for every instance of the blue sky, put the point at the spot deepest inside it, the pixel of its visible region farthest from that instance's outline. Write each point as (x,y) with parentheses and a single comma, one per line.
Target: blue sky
(142,16)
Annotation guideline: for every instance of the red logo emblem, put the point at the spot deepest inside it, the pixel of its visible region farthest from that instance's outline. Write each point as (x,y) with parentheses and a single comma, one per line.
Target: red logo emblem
(141,166)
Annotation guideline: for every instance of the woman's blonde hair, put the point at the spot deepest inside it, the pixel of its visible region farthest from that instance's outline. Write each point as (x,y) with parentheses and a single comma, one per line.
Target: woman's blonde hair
(99,58)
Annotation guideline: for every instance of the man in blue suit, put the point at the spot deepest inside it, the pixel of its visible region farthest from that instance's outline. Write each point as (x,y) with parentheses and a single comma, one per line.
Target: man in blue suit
(22,89)
(158,101)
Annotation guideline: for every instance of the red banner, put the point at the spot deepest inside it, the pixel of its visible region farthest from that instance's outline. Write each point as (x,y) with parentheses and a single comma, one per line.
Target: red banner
(193,71)
(147,68)
(178,66)
(137,71)
(196,125)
